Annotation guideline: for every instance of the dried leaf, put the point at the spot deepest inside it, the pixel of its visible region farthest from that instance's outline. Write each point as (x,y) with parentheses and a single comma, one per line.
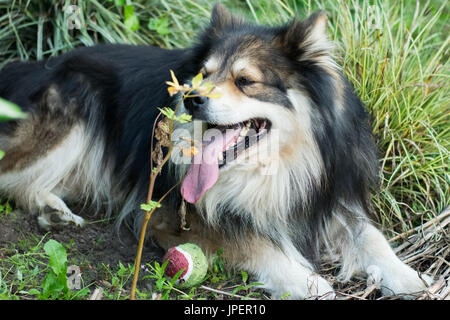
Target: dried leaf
(172,90)
(157,154)
(174,79)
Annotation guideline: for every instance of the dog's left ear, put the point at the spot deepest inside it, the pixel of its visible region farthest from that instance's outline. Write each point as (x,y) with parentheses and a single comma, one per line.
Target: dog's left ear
(222,19)
(306,40)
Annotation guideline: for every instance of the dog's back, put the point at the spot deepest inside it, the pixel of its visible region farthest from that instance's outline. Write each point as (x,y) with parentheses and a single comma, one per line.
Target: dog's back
(90,114)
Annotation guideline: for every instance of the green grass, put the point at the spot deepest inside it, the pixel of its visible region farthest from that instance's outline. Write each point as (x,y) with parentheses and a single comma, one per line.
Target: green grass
(396,53)
(26,266)
(401,73)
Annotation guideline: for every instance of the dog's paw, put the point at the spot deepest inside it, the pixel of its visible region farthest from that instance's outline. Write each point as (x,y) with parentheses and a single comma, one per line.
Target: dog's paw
(48,220)
(315,287)
(399,280)
(374,276)
(319,288)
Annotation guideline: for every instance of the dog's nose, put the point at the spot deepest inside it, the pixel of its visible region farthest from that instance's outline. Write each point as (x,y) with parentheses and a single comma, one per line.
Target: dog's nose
(196,102)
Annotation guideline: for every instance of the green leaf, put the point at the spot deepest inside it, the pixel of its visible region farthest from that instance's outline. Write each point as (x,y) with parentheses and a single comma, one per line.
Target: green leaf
(2,154)
(8,208)
(119,3)
(197,80)
(57,257)
(160,25)
(169,113)
(159,284)
(150,206)
(132,23)
(244,276)
(131,20)
(175,277)
(34,292)
(52,286)
(207,87)
(10,111)
(183,118)
(128,11)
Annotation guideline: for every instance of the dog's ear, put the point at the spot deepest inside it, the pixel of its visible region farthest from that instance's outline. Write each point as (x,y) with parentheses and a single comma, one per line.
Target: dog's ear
(306,40)
(222,18)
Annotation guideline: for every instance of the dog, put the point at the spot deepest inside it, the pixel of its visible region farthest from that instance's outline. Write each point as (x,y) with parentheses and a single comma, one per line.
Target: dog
(284,180)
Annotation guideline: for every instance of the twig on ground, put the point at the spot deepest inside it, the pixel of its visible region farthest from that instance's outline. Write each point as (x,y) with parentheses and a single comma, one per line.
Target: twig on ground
(230,294)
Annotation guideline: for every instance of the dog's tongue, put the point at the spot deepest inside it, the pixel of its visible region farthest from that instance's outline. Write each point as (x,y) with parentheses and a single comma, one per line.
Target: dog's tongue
(204,171)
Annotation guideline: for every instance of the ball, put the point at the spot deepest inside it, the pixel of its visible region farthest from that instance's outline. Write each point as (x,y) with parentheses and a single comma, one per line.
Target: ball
(191,259)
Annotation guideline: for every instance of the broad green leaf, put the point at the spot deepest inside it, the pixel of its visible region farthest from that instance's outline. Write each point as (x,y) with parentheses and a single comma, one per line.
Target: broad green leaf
(160,25)
(131,20)
(57,256)
(52,286)
(132,23)
(128,11)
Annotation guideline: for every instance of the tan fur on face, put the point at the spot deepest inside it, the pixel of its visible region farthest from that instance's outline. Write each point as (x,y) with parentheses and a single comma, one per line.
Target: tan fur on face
(245,67)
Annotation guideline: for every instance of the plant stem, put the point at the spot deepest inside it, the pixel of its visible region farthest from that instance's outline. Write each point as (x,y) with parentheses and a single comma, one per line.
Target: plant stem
(148,214)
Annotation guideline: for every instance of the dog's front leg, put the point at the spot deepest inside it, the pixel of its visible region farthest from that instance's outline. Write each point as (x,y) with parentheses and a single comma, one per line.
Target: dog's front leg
(57,214)
(285,272)
(370,253)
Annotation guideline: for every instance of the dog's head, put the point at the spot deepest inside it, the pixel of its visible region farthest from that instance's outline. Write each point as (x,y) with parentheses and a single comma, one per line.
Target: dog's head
(268,79)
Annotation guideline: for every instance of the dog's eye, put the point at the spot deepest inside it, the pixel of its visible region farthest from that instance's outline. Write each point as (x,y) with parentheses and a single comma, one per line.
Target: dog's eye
(243,81)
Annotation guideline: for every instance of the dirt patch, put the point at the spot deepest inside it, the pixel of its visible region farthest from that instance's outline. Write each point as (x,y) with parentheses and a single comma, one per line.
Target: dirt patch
(96,243)
(97,248)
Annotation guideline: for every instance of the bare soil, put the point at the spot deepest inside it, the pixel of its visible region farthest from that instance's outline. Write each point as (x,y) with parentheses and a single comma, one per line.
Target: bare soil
(97,243)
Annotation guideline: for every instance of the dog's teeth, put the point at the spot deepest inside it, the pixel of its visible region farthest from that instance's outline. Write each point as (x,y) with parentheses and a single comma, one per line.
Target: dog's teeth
(240,138)
(248,124)
(220,157)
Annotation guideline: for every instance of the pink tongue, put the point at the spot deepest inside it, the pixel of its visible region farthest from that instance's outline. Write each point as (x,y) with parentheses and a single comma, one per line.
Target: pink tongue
(204,171)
